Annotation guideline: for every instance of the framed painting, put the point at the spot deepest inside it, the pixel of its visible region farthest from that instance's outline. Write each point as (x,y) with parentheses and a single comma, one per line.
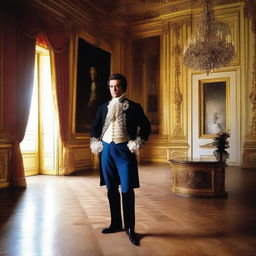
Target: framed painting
(93,70)
(213,106)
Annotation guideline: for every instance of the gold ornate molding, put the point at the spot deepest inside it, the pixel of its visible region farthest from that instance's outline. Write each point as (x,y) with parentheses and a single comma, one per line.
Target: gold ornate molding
(165,28)
(177,93)
(178,97)
(174,7)
(250,12)
(177,152)
(252,95)
(249,154)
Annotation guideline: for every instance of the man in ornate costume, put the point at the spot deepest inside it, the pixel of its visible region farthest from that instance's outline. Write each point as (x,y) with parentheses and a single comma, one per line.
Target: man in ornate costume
(115,136)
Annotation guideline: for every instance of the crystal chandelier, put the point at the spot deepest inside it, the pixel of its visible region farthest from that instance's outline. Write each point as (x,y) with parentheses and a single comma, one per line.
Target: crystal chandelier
(208,50)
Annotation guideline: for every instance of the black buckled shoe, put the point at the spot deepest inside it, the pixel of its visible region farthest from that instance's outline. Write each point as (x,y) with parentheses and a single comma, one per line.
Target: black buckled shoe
(132,236)
(111,229)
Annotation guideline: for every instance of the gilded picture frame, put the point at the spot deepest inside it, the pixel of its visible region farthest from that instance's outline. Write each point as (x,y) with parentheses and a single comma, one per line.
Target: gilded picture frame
(214,104)
(92,72)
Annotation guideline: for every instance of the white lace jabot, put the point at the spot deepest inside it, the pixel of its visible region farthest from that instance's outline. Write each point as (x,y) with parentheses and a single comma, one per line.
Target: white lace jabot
(114,107)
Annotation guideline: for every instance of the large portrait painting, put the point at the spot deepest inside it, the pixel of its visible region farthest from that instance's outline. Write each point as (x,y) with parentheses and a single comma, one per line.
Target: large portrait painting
(214,106)
(93,70)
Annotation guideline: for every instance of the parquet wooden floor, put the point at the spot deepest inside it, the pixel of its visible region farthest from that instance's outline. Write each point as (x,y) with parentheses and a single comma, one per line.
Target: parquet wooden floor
(64,216)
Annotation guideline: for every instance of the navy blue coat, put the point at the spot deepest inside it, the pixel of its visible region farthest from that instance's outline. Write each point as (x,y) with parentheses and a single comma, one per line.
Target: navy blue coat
(135,118)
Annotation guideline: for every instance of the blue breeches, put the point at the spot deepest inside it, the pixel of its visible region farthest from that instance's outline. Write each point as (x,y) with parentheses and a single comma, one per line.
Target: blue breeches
(118,165)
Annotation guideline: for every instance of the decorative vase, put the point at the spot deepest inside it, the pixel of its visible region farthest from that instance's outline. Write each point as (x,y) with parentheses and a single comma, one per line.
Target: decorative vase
(221,156)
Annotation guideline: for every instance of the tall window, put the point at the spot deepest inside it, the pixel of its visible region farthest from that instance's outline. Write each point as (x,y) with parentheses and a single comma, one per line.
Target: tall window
(40,145)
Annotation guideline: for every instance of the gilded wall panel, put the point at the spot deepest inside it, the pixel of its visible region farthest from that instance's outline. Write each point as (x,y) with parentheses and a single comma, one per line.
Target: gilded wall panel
(165,80)
(229,25)
(249,157)
(249,154)
(153,154)
(82,156)
(146,77)
(177,152)
(178,81)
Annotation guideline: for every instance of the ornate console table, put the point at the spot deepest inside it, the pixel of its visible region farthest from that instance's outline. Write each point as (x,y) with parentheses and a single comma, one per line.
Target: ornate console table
(198,178)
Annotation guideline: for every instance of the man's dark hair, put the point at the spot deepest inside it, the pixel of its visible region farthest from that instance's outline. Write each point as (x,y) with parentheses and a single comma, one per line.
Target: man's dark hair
(121,78)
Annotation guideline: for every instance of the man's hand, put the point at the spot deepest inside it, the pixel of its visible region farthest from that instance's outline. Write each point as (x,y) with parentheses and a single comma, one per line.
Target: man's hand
(135,145)
(96,146)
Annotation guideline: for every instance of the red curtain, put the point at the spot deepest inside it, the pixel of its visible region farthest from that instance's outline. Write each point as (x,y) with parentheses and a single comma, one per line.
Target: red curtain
(58,40)
(21,27)
(62,90)
(18,72)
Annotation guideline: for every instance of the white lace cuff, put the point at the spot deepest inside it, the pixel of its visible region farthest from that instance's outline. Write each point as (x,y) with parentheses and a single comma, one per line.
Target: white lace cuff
(135,145)
(96,145)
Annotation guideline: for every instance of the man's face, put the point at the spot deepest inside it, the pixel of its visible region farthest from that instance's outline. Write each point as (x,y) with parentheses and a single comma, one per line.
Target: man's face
(92,73)
(115,88)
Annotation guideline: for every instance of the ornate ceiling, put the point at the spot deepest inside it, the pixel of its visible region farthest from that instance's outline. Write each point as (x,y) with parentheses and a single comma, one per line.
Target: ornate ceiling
(112,16)
(135,10)
(120,11)
(130,6)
